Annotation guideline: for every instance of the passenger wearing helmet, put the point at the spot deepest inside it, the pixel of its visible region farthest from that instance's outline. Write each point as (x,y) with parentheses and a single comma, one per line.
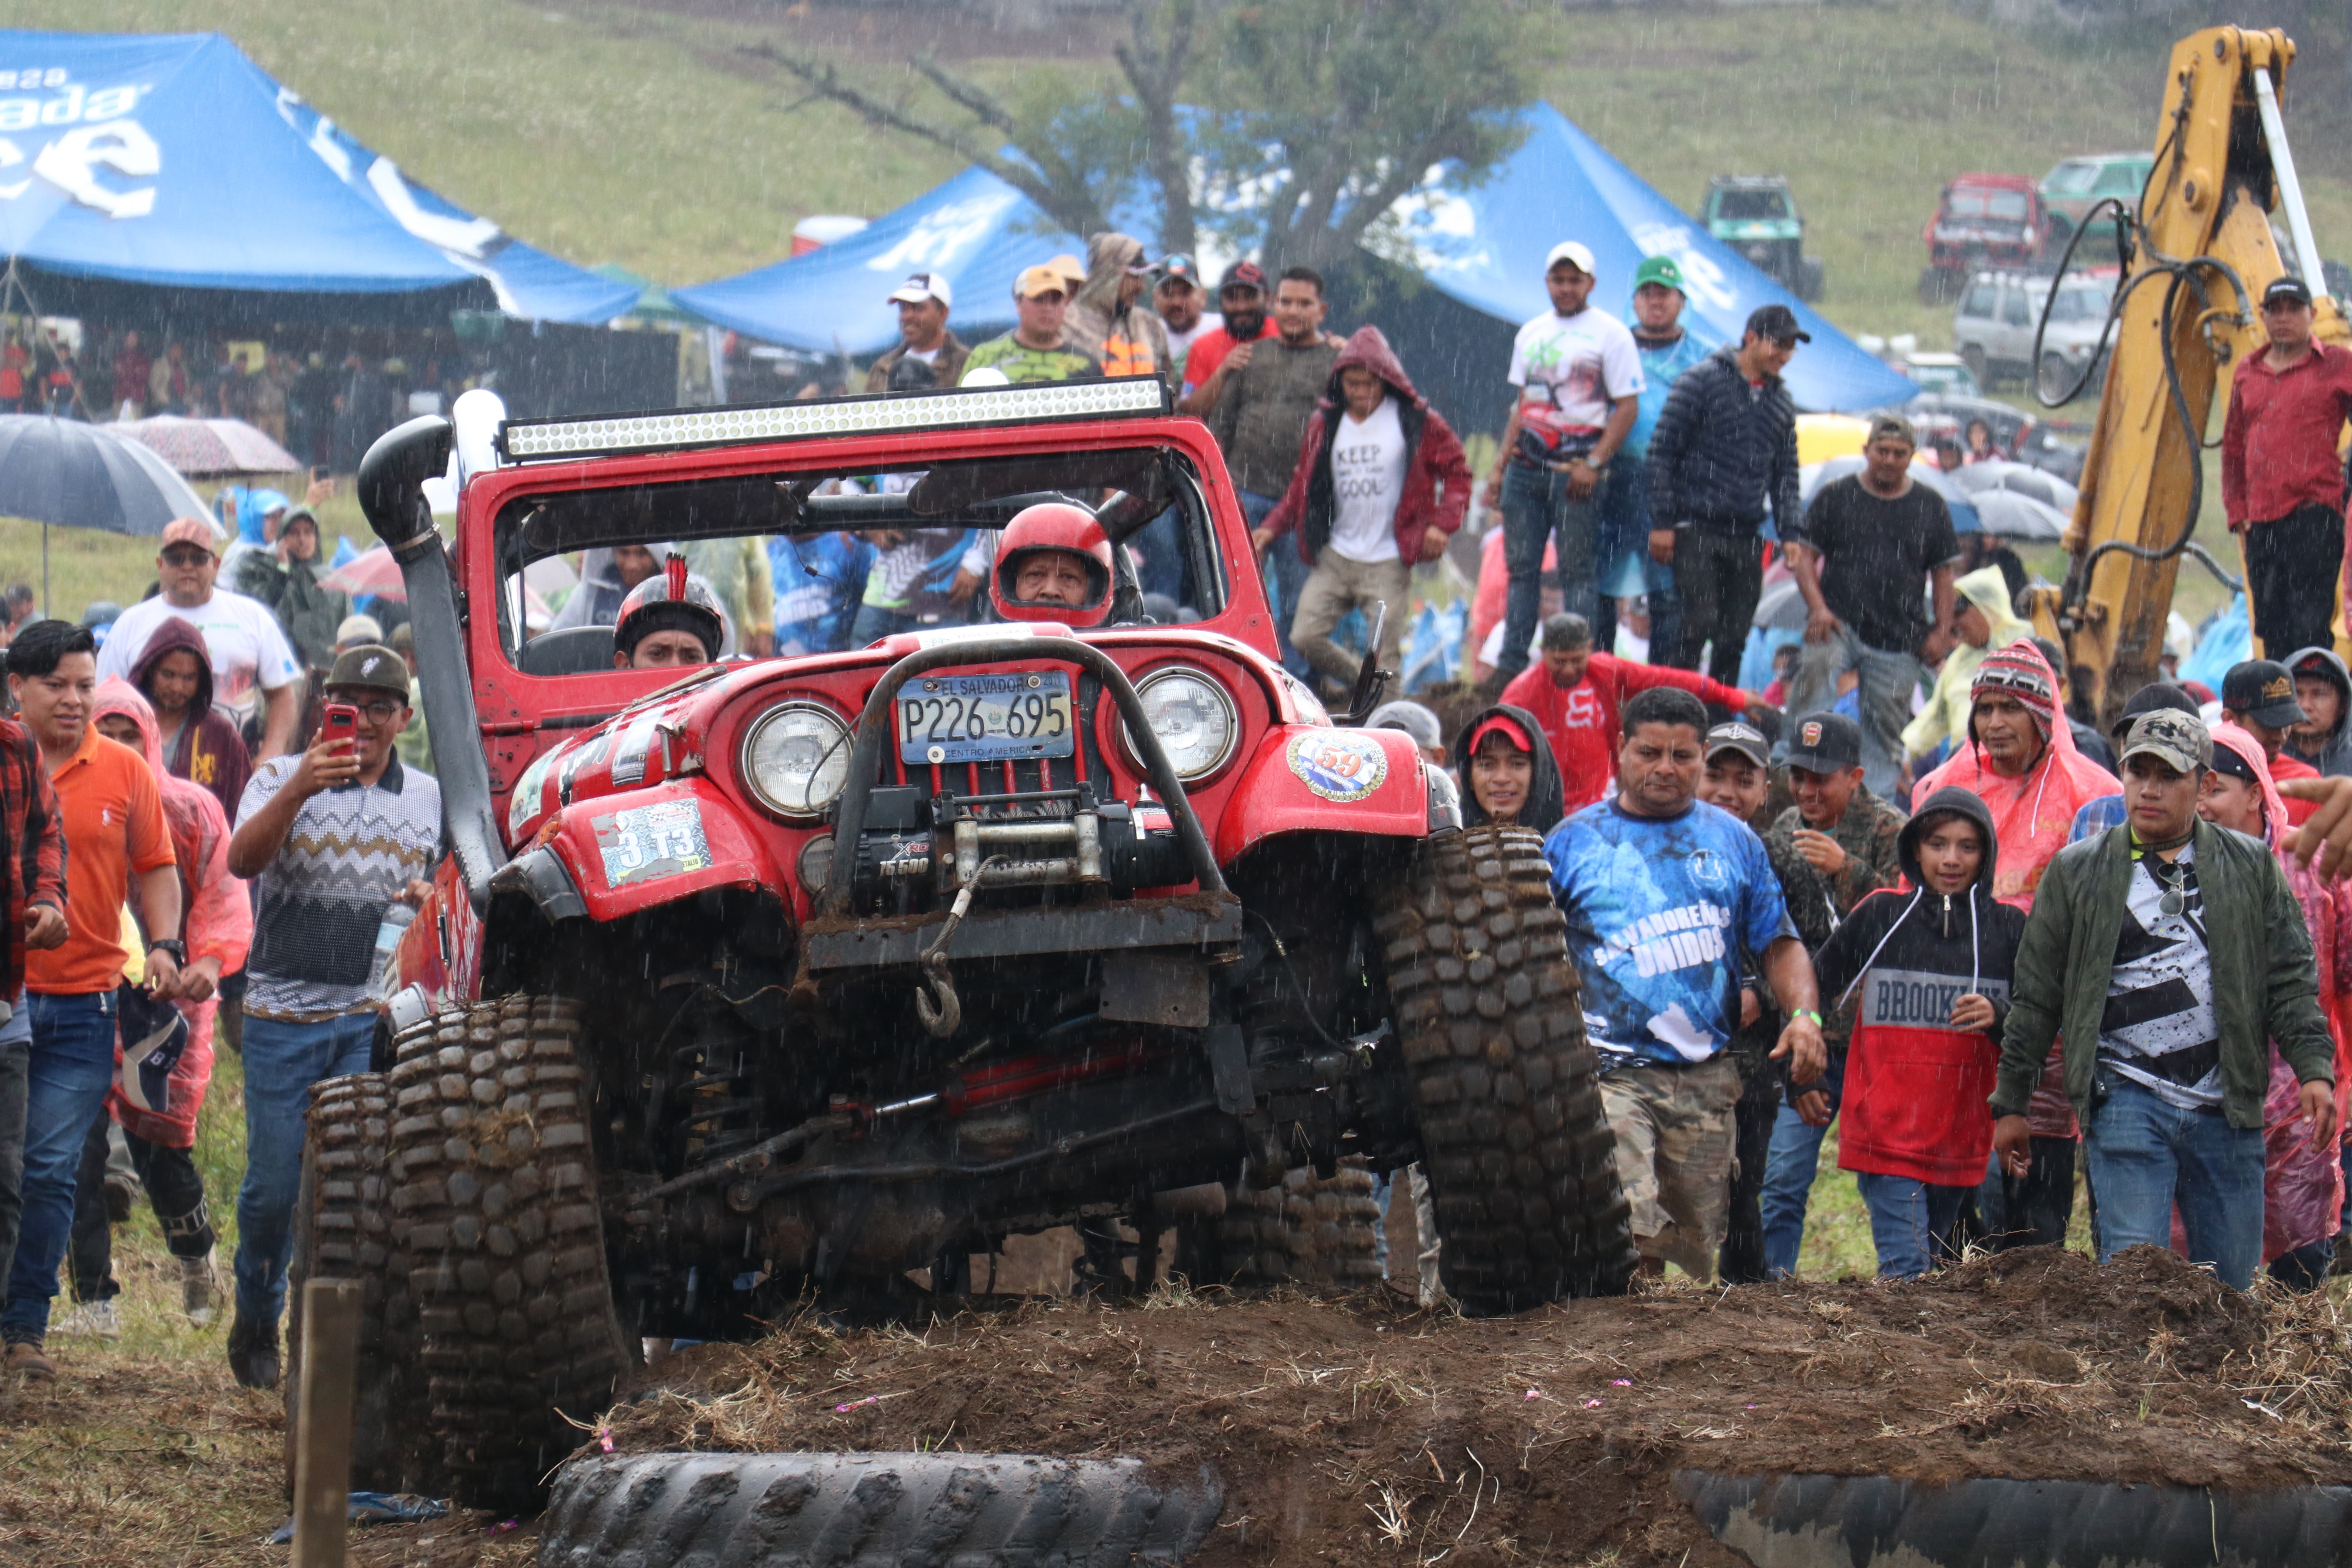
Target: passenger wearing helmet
(1053,563)
(668,621)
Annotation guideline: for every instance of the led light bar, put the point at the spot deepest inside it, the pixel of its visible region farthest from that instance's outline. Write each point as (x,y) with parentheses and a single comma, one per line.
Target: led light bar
(539,441)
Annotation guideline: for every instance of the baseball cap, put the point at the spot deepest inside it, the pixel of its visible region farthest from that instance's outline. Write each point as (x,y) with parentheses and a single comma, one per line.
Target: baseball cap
(1410,717)
(1658,269)
(1826,742)
(1743,738)
(2149,699)
(2262,690)
(2288,288)
(188,530)
(1243,275)
(1572,251)
(373,665)
(923,286)
(1501,725)
(1894,426)
(359,629)
(1040,279)
(1071,268)
(1179,265)
(1779,323)
(2179,741)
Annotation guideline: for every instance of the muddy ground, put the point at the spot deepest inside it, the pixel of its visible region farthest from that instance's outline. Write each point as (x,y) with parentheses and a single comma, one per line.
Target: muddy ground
(1362,1429)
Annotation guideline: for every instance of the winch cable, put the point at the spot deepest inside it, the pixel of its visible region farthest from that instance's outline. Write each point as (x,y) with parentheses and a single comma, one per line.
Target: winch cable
(944,1017)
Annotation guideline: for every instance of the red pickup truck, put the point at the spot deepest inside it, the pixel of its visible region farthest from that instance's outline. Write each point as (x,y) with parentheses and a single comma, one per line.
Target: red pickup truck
(1983,221)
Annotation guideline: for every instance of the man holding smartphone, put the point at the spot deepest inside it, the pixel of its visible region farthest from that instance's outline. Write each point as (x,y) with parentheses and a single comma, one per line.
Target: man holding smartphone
(331,837)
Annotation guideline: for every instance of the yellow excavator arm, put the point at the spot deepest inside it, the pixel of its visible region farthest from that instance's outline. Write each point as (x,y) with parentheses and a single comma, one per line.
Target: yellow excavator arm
(2198,253)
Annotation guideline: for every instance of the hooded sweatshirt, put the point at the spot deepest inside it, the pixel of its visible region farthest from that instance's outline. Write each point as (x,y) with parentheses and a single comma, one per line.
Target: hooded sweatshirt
(1129,340)
(1432,459)
(1544,807)
(2034,812)
(209,750)
(1582,722)
(2303,1186)
(2332,757)
(1945,716)
(1915,1087)
(218,922)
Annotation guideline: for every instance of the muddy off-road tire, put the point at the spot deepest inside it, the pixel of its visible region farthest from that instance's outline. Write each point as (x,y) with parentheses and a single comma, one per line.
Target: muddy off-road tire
(342,1230)
(1522,1169)
(495,1189)
(973,1511)
(1304,1231)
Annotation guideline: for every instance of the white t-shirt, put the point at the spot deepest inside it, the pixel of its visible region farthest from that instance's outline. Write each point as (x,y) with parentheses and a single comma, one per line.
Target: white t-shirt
(249,651)
(1180,344)
(1367,476)
(1575,365)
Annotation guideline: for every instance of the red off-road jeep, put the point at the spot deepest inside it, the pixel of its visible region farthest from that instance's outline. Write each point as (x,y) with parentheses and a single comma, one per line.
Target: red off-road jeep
(797,977)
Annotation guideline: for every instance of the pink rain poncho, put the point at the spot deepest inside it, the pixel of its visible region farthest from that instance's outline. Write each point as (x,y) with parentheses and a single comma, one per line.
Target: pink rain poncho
(2303,1186)
(2031,815)
(217,919)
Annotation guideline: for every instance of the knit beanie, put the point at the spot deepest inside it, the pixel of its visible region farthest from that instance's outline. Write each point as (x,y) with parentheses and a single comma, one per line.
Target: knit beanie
(2019,671)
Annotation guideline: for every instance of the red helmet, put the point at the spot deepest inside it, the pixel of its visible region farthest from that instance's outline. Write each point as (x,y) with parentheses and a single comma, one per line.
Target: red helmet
(671,599)
(1060,526)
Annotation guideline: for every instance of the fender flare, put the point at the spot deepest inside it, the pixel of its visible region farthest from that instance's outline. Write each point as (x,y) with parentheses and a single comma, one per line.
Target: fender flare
(1312,778)
(618,854)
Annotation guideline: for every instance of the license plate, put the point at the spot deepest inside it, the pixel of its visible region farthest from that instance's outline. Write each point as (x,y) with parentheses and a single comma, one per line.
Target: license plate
(986,718)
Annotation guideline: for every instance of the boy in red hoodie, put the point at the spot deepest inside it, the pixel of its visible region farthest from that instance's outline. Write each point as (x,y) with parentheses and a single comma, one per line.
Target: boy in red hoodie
(1931,963)
(1576,694)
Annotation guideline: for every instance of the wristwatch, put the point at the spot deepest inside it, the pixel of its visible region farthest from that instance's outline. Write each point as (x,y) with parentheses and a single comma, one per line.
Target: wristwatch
(174,946)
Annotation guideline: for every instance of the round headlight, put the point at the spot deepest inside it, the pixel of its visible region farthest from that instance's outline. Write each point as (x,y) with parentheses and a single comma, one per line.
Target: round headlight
(796,759)
(1197,723)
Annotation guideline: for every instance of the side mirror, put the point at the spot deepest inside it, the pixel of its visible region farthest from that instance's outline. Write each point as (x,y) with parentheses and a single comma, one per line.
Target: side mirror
(1371,681)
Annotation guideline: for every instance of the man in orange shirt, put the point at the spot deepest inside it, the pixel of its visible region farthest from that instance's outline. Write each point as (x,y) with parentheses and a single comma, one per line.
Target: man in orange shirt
(113,812)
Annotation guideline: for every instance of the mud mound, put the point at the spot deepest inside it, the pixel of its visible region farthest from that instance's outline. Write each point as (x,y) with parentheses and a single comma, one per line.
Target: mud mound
(1349,1427)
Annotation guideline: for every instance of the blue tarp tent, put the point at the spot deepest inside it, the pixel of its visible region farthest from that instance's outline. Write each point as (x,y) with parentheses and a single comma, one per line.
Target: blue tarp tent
(975,230)
(1484,247)
(170,161)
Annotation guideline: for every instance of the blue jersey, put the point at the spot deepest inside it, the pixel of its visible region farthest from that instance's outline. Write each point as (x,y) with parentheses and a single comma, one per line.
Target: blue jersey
(1660,370)
(1658,911)
(819,581)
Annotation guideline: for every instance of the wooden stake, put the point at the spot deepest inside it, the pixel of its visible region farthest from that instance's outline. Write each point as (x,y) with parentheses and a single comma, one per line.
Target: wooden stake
(322,1450)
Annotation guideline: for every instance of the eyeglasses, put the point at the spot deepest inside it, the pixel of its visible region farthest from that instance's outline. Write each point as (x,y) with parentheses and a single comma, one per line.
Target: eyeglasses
(376,712)
(186,558)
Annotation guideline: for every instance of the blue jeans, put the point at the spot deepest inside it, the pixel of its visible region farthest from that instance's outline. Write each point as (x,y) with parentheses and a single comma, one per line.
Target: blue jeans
(1886,681)
(1910,1222)
(2146,1156)
(874,623)
(1160,546)
(1536,507)
(1795,1155)
(71,1064)
(1285,579)
(282,1061)
(1625,545)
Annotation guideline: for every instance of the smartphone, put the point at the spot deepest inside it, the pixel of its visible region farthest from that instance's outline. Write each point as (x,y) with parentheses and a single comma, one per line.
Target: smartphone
(341,723)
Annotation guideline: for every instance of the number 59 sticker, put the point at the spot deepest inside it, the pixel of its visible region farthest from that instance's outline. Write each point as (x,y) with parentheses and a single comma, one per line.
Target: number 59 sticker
(1338,765)
(663,839)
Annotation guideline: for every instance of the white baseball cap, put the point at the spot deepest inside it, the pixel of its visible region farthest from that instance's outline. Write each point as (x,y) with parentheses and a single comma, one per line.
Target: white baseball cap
(1570,250)
(924,285)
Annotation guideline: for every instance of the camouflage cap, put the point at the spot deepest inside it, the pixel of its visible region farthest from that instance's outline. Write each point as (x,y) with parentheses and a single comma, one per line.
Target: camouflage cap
(2179,741)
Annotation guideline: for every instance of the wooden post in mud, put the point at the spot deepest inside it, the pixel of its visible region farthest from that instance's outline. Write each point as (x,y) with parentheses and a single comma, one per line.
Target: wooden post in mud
(322,1441)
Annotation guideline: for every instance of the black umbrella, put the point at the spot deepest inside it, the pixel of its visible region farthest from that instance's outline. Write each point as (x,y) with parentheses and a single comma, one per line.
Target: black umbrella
(74,475)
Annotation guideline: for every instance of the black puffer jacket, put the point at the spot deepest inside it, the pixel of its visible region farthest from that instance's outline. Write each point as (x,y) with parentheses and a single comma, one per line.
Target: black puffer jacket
(1719,452)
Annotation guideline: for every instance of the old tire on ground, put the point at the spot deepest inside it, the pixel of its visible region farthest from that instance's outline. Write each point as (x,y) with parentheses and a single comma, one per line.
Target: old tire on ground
(975,1510)
(1306,1230)
(1522,1168)
(342,1229)
(495,1188)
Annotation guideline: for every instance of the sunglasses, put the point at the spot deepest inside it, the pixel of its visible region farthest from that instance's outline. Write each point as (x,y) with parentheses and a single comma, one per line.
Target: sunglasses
(186,557)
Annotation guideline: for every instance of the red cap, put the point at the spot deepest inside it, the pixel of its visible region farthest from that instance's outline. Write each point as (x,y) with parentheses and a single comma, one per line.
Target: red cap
(1504,725)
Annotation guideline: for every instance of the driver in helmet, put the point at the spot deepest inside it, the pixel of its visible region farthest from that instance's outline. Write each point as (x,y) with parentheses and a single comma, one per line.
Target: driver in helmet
(1053,563)
(669,621)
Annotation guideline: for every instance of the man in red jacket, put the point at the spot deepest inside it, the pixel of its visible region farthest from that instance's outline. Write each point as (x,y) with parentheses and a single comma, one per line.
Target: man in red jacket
(1576,693)
(1380,482)
(2281,484)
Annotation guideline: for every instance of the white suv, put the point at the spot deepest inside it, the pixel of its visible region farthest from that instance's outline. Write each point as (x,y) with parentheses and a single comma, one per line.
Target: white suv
(1993,328)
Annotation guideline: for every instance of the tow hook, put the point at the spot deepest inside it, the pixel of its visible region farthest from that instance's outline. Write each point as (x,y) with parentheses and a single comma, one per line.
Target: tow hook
(945,1017)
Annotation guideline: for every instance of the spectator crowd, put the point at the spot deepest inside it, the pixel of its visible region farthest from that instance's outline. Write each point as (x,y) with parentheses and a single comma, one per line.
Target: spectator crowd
(1903,894)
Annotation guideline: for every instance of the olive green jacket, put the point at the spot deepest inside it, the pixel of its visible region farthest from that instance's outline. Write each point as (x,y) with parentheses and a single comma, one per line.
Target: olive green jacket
(2264,983)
